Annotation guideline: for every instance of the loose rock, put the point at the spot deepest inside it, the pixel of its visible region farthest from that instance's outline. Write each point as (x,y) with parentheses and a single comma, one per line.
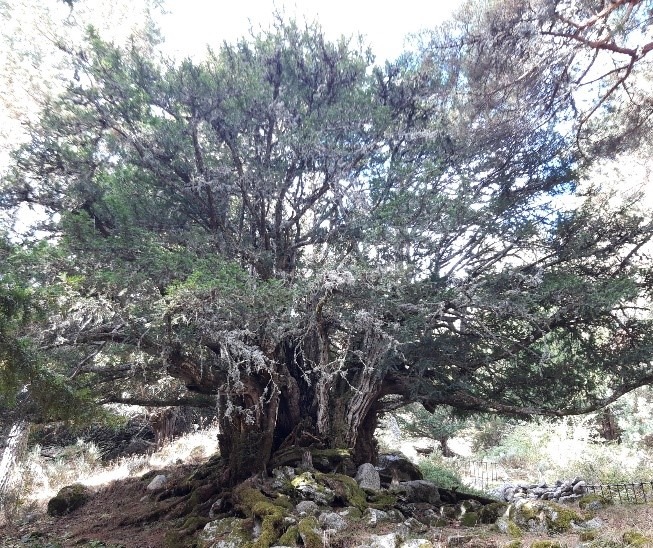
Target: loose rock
(68,499)
(418,491)
(368,477)
(158,483)
(331,520)
(307,508)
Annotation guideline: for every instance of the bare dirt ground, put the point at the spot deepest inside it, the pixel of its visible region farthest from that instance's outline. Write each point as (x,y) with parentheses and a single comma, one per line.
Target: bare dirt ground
(123,514)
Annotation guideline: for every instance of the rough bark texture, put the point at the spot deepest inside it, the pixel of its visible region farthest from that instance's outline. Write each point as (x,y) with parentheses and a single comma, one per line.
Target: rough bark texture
(15,442)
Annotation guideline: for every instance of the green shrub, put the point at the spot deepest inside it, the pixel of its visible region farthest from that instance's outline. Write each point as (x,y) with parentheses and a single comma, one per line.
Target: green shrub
(437,472)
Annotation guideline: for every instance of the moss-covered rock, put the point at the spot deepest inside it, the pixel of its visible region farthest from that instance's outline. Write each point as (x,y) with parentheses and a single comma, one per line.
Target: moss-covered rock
(546,544)
(309,532)
(346,490)
(490,513)
(594,502)
(68,499)
(255,504)
(449,512)
(469,519)
(509,527)
(544,516)
(351,513)
(308,487)
(587,536)
(229,531)
(290,537)
(382,500)
(634,538)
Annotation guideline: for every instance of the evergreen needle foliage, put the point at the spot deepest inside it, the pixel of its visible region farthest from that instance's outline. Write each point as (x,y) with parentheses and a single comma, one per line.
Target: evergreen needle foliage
(306,241)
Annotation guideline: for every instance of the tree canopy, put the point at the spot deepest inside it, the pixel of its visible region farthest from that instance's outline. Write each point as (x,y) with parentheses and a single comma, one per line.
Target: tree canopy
(306,240)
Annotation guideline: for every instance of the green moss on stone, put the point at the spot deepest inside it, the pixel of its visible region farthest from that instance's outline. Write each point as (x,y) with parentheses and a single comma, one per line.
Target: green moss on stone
(345,488)
(560,518)
(634,538)
(586,536)
(492,512)
(529,511)
(290,537)
(255,504)
(598,501)
(546,544)
(382,500)
(556,517)
(68,499)
(514,544)
(308,528)
(303,479)
(193,523)
(469,519)
(514,530)
(173,539)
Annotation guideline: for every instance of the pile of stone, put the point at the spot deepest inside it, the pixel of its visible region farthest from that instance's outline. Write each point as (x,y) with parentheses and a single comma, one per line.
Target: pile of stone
(562,491)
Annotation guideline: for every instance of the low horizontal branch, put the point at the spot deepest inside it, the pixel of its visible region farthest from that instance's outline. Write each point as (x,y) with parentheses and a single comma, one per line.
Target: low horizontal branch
(200,400)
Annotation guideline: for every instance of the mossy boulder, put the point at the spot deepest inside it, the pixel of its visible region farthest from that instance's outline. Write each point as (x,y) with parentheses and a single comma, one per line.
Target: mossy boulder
(233,532)
(68,499)
(381,500)
(490,513)
(634,538)
(544,516)
(309,531)
(290,537)
(509,527)
(587,536)
(469,519)
(546,544)
(271,513)
(594,502)
(345,489)
(308,487)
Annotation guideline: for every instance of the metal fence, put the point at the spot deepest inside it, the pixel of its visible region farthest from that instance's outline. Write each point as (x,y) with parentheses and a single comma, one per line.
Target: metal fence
(481,473)
(624,492)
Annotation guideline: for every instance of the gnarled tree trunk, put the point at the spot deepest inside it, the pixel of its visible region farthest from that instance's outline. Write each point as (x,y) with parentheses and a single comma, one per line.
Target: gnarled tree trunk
(253,426)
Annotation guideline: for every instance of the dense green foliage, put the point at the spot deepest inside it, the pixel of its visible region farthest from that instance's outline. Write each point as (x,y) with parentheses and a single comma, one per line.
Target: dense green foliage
(312,240)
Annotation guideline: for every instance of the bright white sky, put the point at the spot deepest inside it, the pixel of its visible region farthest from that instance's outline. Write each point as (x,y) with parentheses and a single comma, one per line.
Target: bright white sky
(192,24)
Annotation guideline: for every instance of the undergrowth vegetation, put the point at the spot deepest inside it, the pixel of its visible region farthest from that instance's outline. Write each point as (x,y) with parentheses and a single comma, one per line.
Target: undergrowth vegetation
(535,451)
(544,451)
(37,477)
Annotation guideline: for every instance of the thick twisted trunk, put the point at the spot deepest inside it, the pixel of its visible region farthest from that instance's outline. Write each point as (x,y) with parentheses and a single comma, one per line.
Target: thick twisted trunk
(255,425)
(299,395)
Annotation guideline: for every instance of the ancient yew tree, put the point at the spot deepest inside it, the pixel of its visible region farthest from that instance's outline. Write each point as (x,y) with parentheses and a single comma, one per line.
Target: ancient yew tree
(306,241)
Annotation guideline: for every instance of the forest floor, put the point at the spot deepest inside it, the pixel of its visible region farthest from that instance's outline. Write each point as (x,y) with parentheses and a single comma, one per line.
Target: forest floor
(123,514)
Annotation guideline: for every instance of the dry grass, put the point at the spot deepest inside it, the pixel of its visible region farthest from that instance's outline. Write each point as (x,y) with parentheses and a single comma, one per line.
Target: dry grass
(36,478)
